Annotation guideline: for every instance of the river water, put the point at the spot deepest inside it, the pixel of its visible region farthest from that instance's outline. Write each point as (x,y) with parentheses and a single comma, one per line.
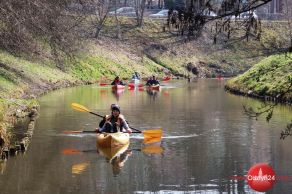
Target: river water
(207,139)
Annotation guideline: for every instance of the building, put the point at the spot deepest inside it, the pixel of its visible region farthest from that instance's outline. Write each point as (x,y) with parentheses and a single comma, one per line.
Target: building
(273,10)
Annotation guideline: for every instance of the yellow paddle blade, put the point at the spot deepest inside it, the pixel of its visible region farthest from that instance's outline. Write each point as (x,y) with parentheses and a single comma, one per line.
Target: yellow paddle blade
(153,149)
(79,107)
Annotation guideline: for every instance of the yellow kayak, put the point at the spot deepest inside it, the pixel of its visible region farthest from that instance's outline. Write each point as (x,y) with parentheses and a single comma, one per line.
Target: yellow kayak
(108,140)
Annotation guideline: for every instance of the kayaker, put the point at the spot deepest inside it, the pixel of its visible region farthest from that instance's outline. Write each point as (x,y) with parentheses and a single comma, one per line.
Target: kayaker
(136,76)
(155,81)
(117,81)
(152,81)
(149,81)
(115,122)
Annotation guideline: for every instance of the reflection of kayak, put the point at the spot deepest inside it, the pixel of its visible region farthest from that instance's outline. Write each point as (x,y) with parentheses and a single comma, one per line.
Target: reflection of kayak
(118,87)
(154,87)
(118,91)
(112,139)
(111,152)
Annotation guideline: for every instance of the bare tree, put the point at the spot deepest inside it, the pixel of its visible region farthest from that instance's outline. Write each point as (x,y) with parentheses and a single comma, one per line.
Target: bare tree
(118,24)
(102,8)
(140,8)
(191,18)
(29,24)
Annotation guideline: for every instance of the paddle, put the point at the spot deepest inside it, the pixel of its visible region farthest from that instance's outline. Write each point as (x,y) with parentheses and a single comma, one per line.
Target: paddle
(152,149)
(84,131)
(152,133)
(131,85)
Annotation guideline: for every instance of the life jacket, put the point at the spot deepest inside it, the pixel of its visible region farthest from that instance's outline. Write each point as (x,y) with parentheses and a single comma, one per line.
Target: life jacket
(118,126)
(118,82)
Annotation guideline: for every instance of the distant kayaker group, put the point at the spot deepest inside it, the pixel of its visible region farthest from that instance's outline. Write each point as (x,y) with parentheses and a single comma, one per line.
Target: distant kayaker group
(136,79)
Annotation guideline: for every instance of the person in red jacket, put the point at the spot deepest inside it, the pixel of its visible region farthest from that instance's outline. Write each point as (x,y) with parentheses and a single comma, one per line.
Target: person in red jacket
(117,81)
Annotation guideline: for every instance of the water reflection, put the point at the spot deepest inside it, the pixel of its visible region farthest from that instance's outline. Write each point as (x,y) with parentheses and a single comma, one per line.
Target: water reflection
(116,156)
(79,168)
(119,161)
(117,93)
(152,149)
(2,166)
(206,140)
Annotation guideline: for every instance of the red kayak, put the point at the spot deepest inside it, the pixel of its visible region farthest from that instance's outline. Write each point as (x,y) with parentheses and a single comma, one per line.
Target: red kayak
(154,87)
(118,87)
(166,78)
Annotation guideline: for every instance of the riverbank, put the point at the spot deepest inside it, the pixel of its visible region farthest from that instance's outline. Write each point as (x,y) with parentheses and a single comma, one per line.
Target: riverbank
(270,79)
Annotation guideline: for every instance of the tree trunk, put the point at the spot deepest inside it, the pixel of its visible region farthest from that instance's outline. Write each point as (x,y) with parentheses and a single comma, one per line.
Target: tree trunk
(118,25)
(99,27)
(141,9)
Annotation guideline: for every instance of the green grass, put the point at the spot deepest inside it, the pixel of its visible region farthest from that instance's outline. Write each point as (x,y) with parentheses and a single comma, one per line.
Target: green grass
(271,76)
(33,71)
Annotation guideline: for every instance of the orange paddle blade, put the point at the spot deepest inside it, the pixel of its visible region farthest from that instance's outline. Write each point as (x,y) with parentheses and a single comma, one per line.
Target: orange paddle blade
(149,140)
(70,151)
(152,135)
(153,131)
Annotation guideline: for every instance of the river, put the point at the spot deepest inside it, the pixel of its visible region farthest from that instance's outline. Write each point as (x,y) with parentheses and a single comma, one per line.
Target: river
(207,139)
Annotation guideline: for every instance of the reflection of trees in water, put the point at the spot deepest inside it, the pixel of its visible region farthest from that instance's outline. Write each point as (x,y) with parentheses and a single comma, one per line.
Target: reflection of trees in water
(267,109)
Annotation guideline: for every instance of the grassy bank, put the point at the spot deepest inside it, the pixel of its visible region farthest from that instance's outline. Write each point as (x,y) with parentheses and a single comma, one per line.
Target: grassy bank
(272,77)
